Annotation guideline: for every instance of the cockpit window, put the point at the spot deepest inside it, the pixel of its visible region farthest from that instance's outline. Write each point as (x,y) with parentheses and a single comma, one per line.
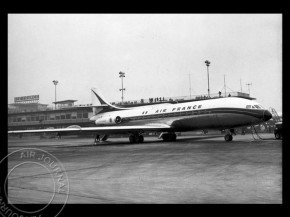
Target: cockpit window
(254,107)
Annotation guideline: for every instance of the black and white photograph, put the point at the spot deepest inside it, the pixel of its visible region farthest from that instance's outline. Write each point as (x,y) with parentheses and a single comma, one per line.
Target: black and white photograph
(143,109)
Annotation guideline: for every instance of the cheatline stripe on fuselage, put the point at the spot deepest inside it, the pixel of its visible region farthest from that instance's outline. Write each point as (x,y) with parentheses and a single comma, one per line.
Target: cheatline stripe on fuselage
(254,113)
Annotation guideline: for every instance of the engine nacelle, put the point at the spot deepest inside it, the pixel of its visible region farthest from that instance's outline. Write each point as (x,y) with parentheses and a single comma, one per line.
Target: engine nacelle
(118,119)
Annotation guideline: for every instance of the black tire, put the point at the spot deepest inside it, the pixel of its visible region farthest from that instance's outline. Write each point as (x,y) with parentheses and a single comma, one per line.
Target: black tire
(172,137)
(165,137)
(141,138)
(228,137)
(132,139)
(137,138)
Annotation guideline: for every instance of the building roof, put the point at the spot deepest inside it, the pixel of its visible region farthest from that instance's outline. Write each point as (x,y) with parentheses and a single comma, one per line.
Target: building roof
(26,104)
(65,101)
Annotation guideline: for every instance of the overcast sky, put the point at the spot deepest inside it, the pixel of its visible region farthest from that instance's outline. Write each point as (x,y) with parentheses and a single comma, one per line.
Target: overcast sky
(156,51)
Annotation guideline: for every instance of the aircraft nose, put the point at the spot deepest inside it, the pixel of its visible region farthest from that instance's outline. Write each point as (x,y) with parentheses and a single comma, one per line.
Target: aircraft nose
(267,115)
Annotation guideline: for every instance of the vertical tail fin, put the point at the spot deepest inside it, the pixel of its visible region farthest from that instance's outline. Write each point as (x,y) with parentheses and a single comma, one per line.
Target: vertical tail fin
(99,101)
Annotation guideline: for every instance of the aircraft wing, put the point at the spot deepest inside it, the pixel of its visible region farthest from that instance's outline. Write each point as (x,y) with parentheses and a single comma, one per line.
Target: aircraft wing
(108,129)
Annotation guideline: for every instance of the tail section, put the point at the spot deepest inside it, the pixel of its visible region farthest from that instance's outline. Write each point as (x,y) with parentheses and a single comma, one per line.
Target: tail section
(99,101)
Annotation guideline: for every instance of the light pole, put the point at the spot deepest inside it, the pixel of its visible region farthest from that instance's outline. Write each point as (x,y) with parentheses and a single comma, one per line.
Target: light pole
(207,64)
(55,83)
(122,75)
(249,87)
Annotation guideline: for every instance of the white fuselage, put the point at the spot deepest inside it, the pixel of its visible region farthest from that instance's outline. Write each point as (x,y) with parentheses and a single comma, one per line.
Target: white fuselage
(219,113)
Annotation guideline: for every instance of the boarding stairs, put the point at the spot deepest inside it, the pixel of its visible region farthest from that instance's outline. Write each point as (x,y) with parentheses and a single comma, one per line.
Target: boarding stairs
(275,115)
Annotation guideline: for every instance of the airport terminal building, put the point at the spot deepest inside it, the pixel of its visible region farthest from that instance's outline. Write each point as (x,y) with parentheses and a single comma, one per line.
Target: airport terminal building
(26,116)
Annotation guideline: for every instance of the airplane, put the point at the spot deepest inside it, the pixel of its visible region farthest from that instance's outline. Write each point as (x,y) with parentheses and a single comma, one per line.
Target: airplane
(167,118)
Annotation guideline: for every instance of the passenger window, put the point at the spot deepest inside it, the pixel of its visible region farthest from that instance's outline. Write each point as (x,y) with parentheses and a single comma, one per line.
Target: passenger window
(253,107)
(248,106)
(257,106)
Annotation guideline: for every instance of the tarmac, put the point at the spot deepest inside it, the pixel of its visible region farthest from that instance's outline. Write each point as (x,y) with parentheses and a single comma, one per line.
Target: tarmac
(195,169)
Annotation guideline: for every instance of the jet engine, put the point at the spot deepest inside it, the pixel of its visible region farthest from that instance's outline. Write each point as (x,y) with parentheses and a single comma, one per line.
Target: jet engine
(118,119)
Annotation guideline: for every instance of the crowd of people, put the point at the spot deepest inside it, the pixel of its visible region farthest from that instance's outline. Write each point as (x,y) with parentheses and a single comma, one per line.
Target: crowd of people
(157,99)
(162,99)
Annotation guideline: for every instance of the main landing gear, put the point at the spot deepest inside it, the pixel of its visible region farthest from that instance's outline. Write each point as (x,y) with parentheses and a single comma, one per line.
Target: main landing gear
(168,137)
(229,135)
(136,138)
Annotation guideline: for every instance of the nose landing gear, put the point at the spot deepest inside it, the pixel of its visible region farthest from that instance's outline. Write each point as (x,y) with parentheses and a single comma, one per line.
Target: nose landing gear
(229,135)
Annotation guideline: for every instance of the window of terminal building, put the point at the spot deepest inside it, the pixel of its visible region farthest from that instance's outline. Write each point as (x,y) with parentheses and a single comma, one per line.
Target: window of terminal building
(18,119)
(79,115)
(73,117)
(68,116)
(85,115)
(37,118)
(57,117)
(62,116)
(28,118)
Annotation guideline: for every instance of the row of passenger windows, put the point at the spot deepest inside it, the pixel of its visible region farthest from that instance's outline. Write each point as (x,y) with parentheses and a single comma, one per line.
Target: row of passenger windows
(174,109)
(47,117)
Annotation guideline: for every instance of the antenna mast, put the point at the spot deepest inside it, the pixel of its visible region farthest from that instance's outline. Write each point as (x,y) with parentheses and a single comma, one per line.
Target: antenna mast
(189,85)
(225,85)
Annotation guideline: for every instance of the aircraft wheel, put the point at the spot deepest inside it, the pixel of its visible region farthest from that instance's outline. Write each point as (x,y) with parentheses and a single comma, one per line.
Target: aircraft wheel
(228,137)
(132,139)
(169,137)
(165,137)
(172,137)
(137,138)
(141,138)
(105,137)
(277,135)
